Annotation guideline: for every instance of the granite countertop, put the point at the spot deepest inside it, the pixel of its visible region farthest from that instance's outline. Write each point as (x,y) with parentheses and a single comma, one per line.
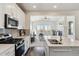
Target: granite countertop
(21,36)
(65,42)
(4,47)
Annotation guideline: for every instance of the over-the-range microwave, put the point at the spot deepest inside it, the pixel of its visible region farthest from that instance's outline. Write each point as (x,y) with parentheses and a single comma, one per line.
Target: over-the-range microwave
(10,22)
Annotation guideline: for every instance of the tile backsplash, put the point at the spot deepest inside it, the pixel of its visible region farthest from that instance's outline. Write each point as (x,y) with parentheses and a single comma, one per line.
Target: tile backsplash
(2,30)
(14,32)
(27,32)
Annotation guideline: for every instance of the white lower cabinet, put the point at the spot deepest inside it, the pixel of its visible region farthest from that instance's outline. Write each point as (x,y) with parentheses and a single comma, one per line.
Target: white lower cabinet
(64,51)
(8,52)
(27,39)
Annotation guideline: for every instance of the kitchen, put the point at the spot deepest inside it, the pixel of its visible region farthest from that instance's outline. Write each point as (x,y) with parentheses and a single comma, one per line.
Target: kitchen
(27,29)
(14,38)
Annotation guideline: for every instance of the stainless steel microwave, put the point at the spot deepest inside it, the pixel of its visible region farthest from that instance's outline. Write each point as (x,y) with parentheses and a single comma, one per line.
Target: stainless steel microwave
(10,22)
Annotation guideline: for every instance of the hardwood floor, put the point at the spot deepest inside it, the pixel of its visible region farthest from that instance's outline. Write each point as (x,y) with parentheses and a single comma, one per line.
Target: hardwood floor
(31,52)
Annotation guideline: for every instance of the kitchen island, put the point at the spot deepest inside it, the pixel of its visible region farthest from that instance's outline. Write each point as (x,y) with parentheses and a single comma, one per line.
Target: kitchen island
(67,48)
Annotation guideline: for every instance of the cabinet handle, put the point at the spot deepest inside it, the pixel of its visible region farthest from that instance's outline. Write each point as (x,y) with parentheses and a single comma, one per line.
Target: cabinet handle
(62,50)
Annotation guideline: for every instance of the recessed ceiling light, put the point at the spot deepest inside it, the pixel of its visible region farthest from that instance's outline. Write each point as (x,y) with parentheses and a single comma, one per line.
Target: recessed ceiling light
(34,6)
(55,6)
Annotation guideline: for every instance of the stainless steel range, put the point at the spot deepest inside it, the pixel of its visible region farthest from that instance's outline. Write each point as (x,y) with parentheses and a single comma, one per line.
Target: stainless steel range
(19,47)
(19,43)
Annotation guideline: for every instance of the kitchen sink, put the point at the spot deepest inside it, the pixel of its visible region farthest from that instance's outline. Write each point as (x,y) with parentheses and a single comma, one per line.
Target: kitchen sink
(54,41)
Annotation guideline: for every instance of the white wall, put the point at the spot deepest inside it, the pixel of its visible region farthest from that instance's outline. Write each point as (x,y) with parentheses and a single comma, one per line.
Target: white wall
(62,13)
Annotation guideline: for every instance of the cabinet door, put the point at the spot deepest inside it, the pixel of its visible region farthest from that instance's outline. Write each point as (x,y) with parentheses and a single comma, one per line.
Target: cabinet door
(1,16)
(21,18)
(64,51)
(59,51)
(20,26)
(27,40)
(8,52)
(15,12)
(9,9)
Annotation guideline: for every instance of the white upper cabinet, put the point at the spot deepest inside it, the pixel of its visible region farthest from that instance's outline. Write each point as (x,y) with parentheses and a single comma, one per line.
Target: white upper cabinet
(1,16)
(14,11)
(9,9)
(21,19)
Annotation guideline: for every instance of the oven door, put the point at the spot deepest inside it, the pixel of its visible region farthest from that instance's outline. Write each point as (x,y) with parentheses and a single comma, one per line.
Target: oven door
(20,50)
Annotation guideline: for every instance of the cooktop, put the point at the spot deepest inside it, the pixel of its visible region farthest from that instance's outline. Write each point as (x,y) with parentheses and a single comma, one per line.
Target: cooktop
(10,41)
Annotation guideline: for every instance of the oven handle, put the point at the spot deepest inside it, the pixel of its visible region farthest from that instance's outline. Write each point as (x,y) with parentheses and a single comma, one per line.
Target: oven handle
(20,45)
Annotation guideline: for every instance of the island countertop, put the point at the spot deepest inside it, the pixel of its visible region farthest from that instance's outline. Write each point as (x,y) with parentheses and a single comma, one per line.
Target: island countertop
(65,43)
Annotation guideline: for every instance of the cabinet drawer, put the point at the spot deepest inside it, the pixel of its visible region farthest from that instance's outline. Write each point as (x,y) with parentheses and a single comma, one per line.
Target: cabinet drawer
(64,51)
(8,52)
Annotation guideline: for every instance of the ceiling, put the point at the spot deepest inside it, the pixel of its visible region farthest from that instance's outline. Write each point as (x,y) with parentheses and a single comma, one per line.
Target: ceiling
(49,6)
